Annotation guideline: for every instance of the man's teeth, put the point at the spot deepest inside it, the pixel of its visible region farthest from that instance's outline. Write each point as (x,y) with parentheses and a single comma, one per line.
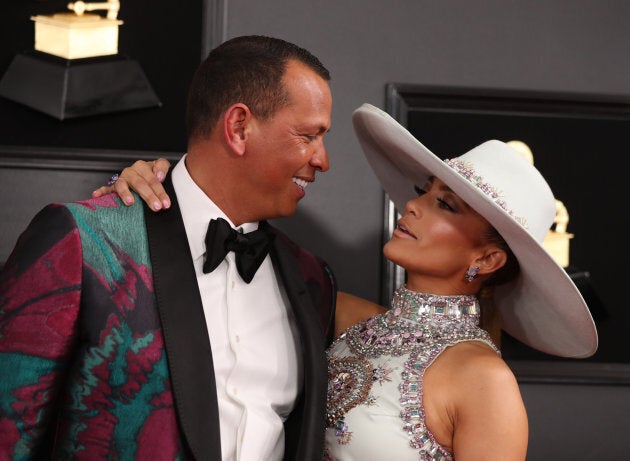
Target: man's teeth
(300,182)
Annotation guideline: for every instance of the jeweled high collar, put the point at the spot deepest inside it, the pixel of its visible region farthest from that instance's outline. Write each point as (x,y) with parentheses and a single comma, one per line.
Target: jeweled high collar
(412,305)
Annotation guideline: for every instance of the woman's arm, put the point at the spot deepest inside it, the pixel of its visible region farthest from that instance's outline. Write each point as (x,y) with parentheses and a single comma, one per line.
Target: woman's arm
(492,424)
(474,406)
(352,309)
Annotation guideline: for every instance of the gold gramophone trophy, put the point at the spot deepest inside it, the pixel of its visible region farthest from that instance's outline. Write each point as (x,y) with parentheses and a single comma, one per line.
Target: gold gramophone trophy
(557,240)
(75,69)
(557,244)
(79,35)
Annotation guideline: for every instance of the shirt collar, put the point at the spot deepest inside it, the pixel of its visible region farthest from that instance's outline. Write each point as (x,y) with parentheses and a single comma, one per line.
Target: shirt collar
(198,209)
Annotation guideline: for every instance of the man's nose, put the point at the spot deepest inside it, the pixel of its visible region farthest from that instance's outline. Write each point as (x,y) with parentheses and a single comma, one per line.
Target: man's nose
(320,159)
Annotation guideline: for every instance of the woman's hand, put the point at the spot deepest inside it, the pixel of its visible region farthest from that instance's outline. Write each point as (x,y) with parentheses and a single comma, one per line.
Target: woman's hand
(145,178)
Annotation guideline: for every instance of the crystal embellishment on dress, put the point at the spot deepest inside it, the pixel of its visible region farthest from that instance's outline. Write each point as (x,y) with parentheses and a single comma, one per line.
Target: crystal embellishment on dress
(349,383)
(417,328)
(381,374)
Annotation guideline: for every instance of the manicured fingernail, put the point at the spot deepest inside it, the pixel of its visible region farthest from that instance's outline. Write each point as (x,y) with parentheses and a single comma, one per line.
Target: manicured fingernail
(157,205)
(166,203)
(128,200)
(160,176)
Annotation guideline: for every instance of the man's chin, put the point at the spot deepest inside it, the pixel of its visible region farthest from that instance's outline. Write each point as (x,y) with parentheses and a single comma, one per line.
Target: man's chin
(289,211)
(286,210)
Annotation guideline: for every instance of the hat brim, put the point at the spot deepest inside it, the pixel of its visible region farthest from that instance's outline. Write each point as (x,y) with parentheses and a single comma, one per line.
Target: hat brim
(542,308)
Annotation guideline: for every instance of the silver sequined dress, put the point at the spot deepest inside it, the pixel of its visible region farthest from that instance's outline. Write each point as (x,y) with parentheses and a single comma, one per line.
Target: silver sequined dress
(375,377)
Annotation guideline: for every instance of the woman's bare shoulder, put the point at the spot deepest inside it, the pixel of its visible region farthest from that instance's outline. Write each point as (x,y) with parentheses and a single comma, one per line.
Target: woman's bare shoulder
(475,361)
(481,411)
(353,309)
(479,379)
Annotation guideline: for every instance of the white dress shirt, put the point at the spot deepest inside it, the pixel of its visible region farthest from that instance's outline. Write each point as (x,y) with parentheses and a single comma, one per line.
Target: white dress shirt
(252,335)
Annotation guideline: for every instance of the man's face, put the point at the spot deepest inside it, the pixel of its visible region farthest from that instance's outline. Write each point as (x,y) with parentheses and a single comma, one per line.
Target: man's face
(285,151)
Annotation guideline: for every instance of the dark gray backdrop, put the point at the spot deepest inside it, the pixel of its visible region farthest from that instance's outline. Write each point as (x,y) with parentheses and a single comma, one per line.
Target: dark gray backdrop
(557,45)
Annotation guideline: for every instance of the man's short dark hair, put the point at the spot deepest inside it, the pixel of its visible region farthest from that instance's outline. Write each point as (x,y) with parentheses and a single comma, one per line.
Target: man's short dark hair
(245,69)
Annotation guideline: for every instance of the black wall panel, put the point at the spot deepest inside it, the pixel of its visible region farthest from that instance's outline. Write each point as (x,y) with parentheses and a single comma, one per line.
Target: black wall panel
(163,37)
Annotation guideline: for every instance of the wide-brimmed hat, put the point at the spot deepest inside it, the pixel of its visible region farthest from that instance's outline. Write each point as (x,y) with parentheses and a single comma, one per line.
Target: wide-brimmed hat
(542,307)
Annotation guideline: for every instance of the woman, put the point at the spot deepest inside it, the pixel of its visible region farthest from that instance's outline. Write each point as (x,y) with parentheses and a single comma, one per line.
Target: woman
(422,380)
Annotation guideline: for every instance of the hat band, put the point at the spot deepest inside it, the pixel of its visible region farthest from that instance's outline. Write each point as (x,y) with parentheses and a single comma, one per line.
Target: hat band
(467,171)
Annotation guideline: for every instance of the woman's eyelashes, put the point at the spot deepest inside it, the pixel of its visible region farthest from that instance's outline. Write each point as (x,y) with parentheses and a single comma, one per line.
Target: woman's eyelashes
(419,191)
(442,202)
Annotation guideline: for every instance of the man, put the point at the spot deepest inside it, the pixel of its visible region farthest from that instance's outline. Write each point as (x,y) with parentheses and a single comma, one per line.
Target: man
(126,334)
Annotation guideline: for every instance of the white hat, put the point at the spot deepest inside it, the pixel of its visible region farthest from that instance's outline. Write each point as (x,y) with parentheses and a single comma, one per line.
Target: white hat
(542,307)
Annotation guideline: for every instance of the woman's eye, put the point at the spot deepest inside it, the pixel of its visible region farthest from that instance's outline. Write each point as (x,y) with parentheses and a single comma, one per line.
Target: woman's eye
(444,205)
(419,191)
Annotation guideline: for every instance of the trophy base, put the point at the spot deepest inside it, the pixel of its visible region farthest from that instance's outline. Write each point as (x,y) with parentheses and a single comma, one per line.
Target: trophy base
(77,88)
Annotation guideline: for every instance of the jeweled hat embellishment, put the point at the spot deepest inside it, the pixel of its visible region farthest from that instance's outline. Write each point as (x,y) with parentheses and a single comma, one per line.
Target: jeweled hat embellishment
(467,171)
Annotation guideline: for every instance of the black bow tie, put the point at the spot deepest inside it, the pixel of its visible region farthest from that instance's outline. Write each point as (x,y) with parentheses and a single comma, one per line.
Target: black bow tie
(250,249)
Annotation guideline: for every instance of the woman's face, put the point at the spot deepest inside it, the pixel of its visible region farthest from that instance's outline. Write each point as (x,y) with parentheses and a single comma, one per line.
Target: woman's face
(437,239)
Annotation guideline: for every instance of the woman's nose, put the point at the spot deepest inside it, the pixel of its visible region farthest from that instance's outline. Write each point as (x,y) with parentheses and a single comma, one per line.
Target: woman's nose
(413,207)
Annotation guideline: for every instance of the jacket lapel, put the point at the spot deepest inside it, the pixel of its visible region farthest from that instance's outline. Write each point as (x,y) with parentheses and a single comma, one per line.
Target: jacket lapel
(304,430)
(184,327)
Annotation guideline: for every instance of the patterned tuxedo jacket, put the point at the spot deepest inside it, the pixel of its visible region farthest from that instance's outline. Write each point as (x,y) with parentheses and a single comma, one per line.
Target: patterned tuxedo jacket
(104,353)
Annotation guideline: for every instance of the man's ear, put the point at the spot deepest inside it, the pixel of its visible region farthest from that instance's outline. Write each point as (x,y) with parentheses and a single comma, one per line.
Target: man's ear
(235,120)
(492,259)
